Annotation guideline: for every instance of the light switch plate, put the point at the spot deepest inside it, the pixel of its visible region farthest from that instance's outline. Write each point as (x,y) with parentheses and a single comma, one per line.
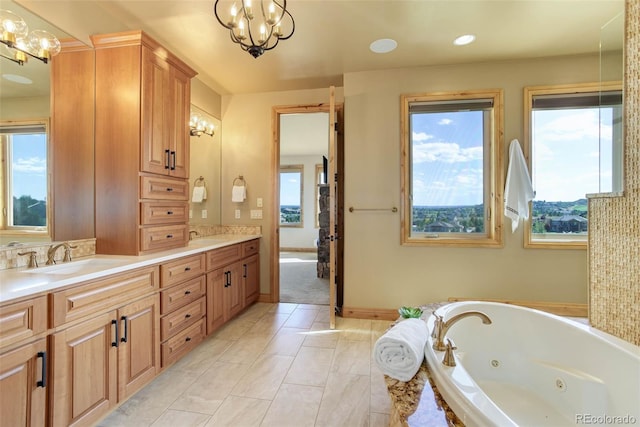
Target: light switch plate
(256,213)
(237,213)
(190,213)
(259,202)
(204,213)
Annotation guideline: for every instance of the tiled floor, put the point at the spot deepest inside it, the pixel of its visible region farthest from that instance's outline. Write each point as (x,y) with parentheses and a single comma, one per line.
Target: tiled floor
(274,365)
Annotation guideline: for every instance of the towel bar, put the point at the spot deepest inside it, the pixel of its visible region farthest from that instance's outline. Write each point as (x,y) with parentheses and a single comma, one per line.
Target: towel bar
(239,178)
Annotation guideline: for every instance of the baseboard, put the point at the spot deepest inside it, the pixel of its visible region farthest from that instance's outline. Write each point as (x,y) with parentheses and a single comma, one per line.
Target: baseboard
(298,249)
(559,308)
(370,313)
(265,298)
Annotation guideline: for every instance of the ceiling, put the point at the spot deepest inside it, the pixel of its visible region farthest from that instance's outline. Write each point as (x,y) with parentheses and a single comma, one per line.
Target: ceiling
(332,37)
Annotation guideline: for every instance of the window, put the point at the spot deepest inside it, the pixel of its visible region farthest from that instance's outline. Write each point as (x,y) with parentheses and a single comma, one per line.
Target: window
(24,176)
(451,164)
(291,195)
(574,140)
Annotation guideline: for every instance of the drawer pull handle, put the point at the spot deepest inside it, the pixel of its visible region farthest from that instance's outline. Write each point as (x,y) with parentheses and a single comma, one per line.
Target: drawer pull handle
(188,339)
(169,236)
(43,379)
(186,316)
(169,212)
(187,269)
(244,271)
(115,343)
(126,329)
(187,292)
(169,189)
(166,165)
(173,163)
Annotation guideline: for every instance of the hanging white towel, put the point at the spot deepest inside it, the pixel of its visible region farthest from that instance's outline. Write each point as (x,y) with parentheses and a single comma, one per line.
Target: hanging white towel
(400,351)
(518,191)
(238,193)
(199,194)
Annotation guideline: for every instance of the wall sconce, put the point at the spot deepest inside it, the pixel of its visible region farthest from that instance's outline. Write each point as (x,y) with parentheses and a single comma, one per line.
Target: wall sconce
(19,43)
(199,126)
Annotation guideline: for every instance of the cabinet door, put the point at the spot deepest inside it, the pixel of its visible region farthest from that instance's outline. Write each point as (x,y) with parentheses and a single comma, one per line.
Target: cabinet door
(215,299)
(139,347)
(155,148)
(84,371)
(251,279)
(177,118)
(234,291)
(22,385)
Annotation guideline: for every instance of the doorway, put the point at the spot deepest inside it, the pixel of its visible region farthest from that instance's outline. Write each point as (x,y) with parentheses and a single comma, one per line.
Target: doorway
(300,152)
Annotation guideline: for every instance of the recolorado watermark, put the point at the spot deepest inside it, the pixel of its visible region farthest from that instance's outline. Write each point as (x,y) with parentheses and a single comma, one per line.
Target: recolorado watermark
(605,419)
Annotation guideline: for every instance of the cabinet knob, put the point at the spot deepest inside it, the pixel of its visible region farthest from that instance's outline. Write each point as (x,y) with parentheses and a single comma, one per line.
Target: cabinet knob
(169,213)
(187,269)
(169,189)
(186,316)
(169,236)
(187,292)
(187,339)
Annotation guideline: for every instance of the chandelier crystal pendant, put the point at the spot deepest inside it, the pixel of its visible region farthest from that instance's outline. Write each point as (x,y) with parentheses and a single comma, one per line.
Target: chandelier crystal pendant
(257,29)
(20,44)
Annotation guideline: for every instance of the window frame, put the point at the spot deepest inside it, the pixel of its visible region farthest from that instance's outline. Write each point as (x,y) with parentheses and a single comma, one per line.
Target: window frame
(5,181)
(493,180)
(289,169)
(556,242)
(318,178)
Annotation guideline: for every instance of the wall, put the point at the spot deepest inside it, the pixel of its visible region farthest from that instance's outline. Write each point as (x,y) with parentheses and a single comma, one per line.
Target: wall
(303,237)
(24,108)
(379,272)
(246,150)
(614,237)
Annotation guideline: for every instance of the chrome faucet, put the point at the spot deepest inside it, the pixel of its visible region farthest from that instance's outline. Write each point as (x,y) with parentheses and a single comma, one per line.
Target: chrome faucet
(192,233)
(440,327)
(51,253)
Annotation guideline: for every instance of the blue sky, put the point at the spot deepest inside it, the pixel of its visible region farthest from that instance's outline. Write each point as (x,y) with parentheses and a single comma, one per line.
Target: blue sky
(290,188)
(447,156)
(572,156)
(29,160)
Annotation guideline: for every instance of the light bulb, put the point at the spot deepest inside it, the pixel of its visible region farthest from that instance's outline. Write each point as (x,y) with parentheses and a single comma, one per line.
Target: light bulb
(13,27)
(43,43)
(247,9)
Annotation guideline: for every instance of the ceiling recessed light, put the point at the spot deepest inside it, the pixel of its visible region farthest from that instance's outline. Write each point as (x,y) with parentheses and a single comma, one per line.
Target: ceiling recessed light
(17,79)
(383,45)
(463,40)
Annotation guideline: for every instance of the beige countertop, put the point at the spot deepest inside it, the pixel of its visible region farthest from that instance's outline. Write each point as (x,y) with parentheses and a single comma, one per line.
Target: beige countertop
(19,283)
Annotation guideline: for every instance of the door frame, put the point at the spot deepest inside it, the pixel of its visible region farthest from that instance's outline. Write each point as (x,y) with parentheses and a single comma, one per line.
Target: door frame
(276,112)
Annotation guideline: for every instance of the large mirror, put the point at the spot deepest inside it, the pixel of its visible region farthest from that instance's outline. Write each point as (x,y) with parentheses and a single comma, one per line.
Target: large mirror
(25,200)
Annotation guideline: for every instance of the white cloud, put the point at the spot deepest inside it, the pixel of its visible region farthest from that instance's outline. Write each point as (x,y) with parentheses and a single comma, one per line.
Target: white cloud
(575,125)
(445,122)
(447,152)
(421,136)
(293,180)
(30,165)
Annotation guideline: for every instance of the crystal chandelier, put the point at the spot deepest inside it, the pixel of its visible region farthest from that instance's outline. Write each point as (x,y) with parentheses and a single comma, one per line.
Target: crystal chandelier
(18,44)
(260,28)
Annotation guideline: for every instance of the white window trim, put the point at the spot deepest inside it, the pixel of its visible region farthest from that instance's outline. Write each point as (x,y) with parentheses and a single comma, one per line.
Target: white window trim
(493,236)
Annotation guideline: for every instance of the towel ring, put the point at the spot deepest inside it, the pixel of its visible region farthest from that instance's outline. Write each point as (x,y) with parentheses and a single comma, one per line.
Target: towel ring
(239,178)
(200,180)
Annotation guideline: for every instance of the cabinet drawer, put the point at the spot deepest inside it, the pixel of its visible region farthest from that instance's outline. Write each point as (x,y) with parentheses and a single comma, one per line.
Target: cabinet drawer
(220,257)
(102,295)
(182,294)
(155,187)
(251,247)
(154,213)
(182,317)
(164,237)
(182,269)
(182,342)
(22,320)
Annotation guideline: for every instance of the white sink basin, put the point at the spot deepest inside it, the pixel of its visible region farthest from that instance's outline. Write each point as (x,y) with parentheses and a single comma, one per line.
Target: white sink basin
(76,267)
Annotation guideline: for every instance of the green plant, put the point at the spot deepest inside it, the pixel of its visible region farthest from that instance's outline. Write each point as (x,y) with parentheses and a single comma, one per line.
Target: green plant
(408,312)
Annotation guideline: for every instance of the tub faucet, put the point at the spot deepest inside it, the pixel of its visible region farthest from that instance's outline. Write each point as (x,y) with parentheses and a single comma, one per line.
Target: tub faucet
(440,327)
(51,253)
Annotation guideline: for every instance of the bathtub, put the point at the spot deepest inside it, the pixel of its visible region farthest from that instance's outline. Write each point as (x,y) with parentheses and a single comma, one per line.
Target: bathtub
(531,368)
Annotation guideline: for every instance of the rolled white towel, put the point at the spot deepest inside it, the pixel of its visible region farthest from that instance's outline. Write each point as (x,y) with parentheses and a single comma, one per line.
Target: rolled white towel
(400,351)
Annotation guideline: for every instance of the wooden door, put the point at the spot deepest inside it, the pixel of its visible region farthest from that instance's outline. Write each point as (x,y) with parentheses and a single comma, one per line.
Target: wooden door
(139,347)
(234,294)
(177,112)
(331,181)
(251,279)
(84,371)
(215,299)
(23,385)
(155,148)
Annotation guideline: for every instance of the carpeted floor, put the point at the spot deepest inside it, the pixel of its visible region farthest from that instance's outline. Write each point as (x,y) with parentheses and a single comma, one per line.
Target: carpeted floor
(298,279)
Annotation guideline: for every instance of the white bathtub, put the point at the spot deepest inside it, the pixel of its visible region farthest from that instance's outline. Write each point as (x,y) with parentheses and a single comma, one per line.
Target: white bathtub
(530,368)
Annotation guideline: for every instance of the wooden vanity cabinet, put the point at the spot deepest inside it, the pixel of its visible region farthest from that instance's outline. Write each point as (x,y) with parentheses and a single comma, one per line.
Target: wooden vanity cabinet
(183,306)
(23,362)
(141,145)
(108,349)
